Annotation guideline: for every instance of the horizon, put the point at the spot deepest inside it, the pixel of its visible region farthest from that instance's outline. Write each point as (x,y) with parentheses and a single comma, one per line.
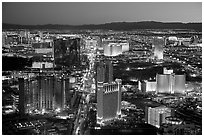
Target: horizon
(96,13)
(96,24)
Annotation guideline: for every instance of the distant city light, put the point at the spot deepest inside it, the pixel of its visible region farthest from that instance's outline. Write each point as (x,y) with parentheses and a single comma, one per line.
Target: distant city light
(128,69)
(58,110)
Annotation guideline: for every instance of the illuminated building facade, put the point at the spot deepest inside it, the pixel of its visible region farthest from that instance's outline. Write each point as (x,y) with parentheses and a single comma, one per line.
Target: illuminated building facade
(170,83)
(43,47)
(147,86)
(107,50)
(109,100)
(108,92)
(158,44)
(117,49)
(42,65)
(43,93)
(179,86)
(164,83)
(113,49)
(125,46)
(156,116)
(44,55)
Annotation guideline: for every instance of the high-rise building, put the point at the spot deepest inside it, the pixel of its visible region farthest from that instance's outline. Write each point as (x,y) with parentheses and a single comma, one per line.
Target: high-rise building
(43,48)
(109,101)
(112,49)
(147,86)
(164,83)
(104,72)
(125,46)
(156,116)
(107,50)
(117,49)
(158,44)
(67,52)
(43,93)
(108,92)
(170,83)
(22,98)
(179,86)
(44,57)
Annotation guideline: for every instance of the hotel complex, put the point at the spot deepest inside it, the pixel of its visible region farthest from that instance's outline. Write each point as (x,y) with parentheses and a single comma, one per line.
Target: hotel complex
(108,93)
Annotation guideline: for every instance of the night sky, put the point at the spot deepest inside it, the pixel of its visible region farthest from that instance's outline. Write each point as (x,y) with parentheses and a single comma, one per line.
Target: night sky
(29,13)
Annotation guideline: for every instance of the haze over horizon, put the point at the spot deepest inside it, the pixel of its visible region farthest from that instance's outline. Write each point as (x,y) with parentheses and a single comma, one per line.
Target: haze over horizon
(80,13)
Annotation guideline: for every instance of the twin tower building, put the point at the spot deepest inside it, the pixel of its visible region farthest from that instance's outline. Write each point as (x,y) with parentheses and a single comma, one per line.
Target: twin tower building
(108,92)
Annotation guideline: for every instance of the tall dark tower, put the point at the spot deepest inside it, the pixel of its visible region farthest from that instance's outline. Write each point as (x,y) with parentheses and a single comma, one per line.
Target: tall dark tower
(61,52)
(67,52)
(108,72)
(104,73)
(74,51)
(21,96)
(108,92)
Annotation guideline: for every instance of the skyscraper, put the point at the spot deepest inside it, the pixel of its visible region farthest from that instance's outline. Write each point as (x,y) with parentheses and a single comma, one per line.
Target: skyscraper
(158,44)
(170,83)
(179,86)
(108,92)
(21,96)
(43,93)
(104,71)
(67,52)
(109,101)
(112,49)
(125,46)
(164,83)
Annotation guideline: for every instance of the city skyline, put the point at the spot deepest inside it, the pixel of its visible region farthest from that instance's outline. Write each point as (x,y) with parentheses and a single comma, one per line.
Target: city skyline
(80,13)
(74,83)
(138,73)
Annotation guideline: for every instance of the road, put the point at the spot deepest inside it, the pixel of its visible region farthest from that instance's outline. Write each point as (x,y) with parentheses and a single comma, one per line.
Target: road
(86,88)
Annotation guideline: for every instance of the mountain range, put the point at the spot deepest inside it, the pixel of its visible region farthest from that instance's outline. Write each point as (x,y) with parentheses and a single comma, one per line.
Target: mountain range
(112,26)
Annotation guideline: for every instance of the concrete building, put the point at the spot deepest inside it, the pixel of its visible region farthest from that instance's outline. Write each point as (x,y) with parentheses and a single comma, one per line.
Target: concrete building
(115,49)
(164,83)
(108,92)
(104,72)
(43,93)
(67,52)
(158,44)
(157,115)
(179,86)
(147,86)
(22,97)
(170,83)
(42,65)
(109,101)
(125,46)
